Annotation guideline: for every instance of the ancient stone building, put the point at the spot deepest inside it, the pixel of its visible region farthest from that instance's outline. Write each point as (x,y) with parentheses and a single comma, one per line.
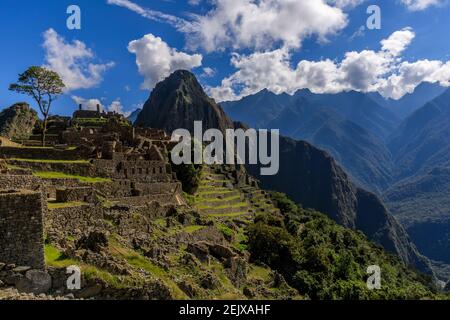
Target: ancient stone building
(21,228)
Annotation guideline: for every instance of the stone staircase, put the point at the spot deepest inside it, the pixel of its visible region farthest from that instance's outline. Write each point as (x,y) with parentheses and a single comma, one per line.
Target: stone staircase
(218,196)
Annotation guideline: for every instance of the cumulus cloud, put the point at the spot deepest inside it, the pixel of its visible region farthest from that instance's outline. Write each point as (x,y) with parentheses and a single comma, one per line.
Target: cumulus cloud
(345,3)
(91,104)
(364,71)
(116,106)
(88,104)
(73,62)
(398,41)
(418,5)
(241,24)
(156,60)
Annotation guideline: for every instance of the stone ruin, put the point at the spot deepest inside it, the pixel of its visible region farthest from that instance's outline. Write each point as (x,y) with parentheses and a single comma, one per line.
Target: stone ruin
(22,228)
(132,161)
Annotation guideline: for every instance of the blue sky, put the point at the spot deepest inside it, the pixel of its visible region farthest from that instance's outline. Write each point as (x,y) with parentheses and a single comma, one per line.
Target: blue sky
(234,47)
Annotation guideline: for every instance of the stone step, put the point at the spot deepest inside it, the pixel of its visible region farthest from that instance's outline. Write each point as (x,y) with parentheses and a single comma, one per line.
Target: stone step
(219,193)
(227,210)
(257,197)
(214,183)
(217,177)
(239,218)
(230,201)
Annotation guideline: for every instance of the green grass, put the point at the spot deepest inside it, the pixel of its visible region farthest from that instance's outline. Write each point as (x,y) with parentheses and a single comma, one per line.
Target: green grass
(190,199)
(36,147)
(225,230)
(50,161)
(61,175)
(160,222)
(140,262)
(219,200)
(228,215)
(219,191)
(55,258)
(59,205)
(192,229)
(237,205)
(12,167)
(258,272)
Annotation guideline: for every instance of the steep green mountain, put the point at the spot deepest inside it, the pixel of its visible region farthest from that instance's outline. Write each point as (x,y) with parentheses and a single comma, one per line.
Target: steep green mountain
(177,102)
(310,177)
(326,261)
(17,122)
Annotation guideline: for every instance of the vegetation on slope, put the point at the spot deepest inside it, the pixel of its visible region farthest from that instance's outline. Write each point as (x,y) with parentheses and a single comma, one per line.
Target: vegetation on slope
(327,261)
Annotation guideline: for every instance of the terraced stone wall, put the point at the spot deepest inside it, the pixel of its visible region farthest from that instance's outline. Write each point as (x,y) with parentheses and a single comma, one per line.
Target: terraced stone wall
(22,228)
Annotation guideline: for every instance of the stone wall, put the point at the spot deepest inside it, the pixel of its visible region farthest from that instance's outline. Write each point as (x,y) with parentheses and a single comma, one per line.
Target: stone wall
(21,228)
(83,169)
(77,194)
(43,153)
(10,182)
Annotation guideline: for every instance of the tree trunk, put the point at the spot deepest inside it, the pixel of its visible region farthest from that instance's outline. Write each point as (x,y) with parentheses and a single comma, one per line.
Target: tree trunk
(44,130)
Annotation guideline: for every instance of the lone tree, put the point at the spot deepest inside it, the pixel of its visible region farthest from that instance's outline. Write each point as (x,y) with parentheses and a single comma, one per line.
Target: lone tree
(44,86)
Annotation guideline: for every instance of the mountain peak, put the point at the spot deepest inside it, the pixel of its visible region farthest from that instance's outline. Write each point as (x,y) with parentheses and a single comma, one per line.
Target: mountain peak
(177,102)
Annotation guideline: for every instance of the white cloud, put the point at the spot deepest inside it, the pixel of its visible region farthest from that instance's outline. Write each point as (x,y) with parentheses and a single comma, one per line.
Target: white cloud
(116,106)
(345,3)
(208,72)
(73,62)
(411,74)
(151,14)
(241,24)
(91,104)
(398,41)
(88,104)
(194,2)
(156,60)
(418,5)
(364,71)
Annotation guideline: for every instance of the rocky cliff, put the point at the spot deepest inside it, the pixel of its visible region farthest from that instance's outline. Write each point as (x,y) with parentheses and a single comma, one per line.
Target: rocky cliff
(177,102)
(17,122)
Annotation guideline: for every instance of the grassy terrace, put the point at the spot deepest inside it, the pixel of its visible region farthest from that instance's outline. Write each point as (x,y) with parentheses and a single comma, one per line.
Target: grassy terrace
(228,215)
(55,258)
(225,206)
(60,175)
(59,205)
(50,161)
